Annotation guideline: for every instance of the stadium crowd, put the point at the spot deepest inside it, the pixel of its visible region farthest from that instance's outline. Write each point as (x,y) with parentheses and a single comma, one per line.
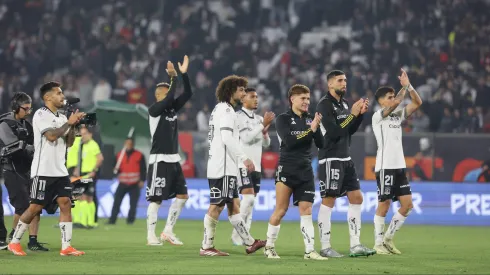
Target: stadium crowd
(117,50)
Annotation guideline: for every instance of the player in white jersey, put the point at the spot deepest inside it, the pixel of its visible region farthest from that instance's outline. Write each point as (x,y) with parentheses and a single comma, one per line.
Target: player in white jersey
(253,136)
(390,162)
(225,153)
(53,133)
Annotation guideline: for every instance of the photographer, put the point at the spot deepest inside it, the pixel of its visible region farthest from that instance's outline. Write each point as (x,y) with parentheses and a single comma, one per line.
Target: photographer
(16,166)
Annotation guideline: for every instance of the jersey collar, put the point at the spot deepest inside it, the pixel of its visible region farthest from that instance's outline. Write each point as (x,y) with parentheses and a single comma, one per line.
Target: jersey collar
(295,115)
(57,114)
(249,113)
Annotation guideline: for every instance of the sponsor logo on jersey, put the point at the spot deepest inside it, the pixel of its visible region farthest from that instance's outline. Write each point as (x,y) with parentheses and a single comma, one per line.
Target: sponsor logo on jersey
(294,133)
(342,116)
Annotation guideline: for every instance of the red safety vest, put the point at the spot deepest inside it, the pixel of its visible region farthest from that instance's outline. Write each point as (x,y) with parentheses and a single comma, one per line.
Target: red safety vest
(129,171)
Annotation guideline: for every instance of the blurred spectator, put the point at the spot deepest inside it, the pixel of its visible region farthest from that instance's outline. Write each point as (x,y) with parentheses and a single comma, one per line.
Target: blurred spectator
(443,44)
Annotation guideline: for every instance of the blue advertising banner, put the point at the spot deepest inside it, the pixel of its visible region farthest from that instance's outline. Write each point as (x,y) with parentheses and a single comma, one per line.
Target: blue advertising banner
(434,203)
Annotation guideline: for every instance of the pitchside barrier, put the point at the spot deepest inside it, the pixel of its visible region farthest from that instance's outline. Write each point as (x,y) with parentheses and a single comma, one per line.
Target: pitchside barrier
(437,203)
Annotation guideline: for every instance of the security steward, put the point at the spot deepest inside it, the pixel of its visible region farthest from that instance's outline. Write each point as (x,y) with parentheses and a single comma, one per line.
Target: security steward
(15,129)
(131,176)
(83,161)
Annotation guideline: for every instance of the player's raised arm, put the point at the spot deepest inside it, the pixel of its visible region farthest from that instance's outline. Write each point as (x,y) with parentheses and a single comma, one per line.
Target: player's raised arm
(317,136)
(266,140)
(414,96)
(183,98)
(329,123)
(52,134)
(164,93)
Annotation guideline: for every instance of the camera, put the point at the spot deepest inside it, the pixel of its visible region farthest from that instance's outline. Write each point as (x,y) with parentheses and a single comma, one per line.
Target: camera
(90,119)
(10,149)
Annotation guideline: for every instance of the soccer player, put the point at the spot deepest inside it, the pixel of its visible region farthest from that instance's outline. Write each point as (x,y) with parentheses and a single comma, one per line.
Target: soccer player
(337,171)
(390,162)
(225,153)
(296,130)
(53,133)
(165,177)
(253,136)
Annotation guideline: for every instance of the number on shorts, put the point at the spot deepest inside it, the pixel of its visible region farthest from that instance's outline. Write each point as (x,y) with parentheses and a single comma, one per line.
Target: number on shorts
(243,172)
(335,174)
(388,180)
(160,182)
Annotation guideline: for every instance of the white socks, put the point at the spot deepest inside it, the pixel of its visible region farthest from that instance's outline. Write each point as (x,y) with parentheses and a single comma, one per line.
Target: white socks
(246,210)
(354,221)
(272,233)
(20,229)
(209,230)
(173,214)
(66,233)
(379,229)
(241,229)
(151,218)
(325,225)
(395,225)
(308,233)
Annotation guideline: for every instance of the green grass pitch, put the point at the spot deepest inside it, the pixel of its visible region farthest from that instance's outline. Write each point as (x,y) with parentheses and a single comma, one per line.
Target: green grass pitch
(122,249)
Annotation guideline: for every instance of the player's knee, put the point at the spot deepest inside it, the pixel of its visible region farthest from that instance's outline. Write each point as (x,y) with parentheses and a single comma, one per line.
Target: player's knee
(406,209)
(280,213)
(329,201)
(64,203)
(183,197)
(383,208)
(20,209)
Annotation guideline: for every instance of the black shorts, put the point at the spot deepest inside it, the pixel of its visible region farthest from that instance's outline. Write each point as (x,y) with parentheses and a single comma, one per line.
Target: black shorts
(248,180)
(18,190)
(301,182)
(223,190)
(165,181)
(337,178)
(392,183)
(45,190)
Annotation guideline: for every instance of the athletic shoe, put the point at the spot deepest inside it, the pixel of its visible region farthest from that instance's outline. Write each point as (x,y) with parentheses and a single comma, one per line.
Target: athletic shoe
(270,253)
(70,251)
(37,246)
(3,245)
(382,250)
(313,255)
(361,250)
(391,246)
(210,252)
(16,248)
(330,253)
(171,238)
(258,244)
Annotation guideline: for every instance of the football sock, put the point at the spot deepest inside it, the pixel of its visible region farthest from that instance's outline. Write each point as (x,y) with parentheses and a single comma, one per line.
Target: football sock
(395,225)
(33,239)
(379,229)
(66,231)
(151,218)
(91,214)
(325,225)
(240,227)
(272,233)
(173,214)
(75,212)
(20,229)
(354,220)
(246,209)
(308,233)
(209,230)
(84,209)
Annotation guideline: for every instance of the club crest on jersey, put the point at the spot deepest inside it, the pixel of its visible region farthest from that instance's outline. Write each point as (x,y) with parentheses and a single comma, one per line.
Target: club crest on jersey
(227,110)
(308,121)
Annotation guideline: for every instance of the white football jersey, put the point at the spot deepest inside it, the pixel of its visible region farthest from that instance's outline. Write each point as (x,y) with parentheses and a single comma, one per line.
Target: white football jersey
(388,133)
(221,162)
(251,138)
(49,157)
